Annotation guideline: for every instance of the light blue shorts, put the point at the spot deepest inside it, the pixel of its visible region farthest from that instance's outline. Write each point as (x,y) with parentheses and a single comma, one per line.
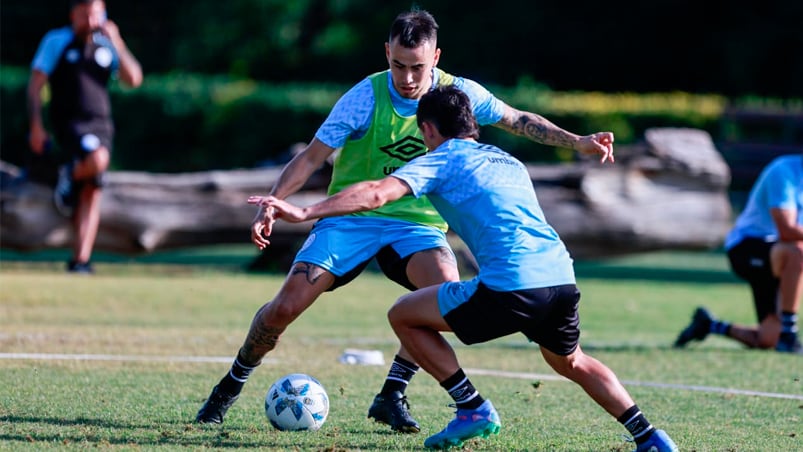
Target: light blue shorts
(453,294)
(340,244)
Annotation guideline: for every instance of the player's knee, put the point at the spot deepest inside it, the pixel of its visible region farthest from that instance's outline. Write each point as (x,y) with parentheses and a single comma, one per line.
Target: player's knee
(101,156)
(796,255)
(766,337)
(565,365)
(98,160)
(280,312)
(396,315)
(790,253)
(765,343)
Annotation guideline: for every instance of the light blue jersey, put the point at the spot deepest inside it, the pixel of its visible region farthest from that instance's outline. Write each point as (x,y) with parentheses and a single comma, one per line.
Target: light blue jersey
(487,197)
(351,116)
(780,185)
(56,41)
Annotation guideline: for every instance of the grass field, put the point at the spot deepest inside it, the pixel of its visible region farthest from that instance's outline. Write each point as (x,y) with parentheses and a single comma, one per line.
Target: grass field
(123,360)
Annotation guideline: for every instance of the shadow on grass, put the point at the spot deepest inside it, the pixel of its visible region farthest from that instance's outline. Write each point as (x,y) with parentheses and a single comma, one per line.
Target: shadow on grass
(701,267)
(169,433)
(663,274)
(222,256)
(622,347)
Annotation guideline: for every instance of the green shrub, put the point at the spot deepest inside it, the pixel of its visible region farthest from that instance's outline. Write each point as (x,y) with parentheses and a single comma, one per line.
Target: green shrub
(187,122)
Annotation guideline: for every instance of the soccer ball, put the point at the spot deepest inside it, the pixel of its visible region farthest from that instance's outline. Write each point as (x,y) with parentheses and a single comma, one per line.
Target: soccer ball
(297,402)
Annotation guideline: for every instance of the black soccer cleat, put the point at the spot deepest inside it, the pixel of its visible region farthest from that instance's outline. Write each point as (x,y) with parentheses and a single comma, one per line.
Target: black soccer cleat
(392,409)
(697,330)
(789,343)
(80,268)
(215,407)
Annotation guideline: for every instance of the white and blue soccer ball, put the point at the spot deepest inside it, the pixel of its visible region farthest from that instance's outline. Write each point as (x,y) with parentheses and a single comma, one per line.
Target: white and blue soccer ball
(297,402)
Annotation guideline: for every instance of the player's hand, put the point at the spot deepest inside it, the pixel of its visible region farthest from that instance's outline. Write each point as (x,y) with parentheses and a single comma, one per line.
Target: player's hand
(600,143)
(262,227)
(281,209)
(111,30)
(38,139)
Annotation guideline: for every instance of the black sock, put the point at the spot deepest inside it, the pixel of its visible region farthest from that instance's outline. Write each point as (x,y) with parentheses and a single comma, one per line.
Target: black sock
(234,381)
(399,375)
(720,327)
(462,391)
(636,424)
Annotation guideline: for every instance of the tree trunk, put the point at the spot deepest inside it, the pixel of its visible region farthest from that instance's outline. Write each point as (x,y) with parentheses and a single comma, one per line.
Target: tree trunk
(669,192)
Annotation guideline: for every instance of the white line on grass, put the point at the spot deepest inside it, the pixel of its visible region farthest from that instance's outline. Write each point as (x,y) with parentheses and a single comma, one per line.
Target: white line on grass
(496,373)
(140,358)
(528,376)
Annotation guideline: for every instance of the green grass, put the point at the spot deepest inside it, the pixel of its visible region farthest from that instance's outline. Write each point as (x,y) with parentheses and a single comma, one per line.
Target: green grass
(199,304)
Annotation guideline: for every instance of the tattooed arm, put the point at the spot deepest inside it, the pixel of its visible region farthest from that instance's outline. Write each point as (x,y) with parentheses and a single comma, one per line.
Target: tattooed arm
(541,130)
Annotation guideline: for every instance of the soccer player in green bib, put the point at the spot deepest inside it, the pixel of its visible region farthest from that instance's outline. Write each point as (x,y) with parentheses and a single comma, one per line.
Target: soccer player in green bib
(373,126)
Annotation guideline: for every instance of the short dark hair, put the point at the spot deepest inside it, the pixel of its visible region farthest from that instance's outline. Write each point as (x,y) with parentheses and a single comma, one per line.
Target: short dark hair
(449,110)
(414,28)
(74,3)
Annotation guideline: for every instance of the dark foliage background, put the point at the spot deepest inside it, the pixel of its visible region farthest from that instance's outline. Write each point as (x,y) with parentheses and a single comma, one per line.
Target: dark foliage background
(236,83)
(731,48)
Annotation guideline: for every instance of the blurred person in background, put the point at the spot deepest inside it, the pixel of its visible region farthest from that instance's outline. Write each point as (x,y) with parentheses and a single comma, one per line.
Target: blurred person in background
(77,62)
(765,248)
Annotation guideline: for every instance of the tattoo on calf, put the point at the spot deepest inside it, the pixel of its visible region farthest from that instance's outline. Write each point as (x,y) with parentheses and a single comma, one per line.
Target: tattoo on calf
(261,339)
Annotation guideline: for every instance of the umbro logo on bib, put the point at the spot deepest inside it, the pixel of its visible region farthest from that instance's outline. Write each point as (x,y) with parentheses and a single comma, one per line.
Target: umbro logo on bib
(405,149)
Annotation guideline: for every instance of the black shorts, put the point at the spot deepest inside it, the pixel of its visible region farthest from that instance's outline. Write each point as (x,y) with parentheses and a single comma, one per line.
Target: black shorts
(547,316)
(750,260)
(80,138)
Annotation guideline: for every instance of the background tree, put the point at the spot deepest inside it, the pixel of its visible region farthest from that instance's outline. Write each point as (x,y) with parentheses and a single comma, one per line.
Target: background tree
(734,48)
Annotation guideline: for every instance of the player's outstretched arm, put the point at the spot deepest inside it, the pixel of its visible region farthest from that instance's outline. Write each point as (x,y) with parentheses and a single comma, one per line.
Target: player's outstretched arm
(298,171)
(359,197)
(541,130)
(293,176)
(262,227)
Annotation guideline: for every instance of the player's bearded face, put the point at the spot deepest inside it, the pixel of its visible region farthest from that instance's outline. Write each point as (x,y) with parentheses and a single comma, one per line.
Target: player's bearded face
(87,17)
(411,69)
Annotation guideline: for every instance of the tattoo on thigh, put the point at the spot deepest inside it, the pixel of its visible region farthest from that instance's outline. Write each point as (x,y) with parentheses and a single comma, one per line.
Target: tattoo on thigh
(445,255)
(312,272)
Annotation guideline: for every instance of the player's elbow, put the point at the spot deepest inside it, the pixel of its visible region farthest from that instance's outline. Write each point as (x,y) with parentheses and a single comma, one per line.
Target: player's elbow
(376,200)
(135,80)
(132,76)
(378,196)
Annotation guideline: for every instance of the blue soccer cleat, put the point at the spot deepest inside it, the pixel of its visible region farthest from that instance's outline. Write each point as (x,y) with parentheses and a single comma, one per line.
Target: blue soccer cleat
(467,424)
(659,441)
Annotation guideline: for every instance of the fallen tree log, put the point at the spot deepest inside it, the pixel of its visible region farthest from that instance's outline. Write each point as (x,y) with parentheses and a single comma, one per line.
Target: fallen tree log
(669,192)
